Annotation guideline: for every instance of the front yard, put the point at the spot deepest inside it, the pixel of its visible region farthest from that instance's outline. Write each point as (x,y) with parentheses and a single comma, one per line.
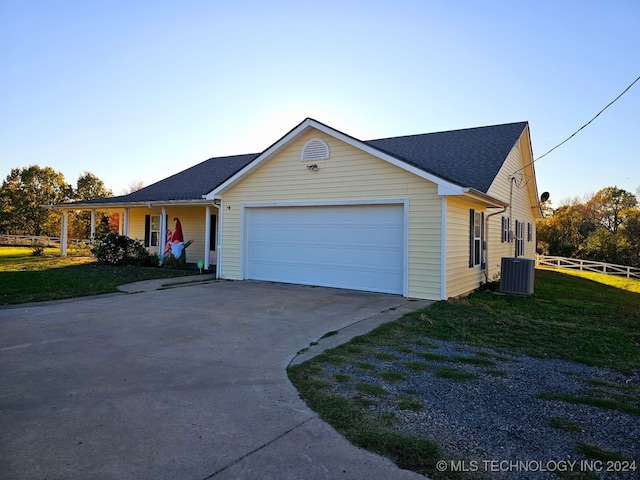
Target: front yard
(26,278)
(551,378)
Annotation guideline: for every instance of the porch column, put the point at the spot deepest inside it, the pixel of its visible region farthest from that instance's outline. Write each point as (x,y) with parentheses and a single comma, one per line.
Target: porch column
(64,224)
(163,232)
(93,225)
(125,222)
(207,237)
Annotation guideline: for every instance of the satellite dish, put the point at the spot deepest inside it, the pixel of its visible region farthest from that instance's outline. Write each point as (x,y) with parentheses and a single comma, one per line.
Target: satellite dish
(544,197)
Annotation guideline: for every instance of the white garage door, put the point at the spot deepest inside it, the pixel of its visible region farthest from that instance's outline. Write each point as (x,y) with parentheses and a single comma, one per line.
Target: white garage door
(359,247)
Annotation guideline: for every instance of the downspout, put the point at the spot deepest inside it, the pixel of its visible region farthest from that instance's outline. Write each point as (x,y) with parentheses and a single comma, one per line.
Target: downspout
(512,236)
(218,240)
(486,240)
(207,236)
(511,205)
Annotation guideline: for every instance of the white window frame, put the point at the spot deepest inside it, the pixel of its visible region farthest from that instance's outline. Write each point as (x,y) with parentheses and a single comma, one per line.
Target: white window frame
(506,229)
(475,238)
(519,239)
(154,230)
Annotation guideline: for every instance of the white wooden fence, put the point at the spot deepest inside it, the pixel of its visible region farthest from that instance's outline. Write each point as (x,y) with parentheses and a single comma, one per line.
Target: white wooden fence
(35,240)
(587,266)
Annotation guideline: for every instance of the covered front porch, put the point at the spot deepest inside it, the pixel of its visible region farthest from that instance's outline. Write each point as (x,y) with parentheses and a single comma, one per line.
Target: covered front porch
(158,225)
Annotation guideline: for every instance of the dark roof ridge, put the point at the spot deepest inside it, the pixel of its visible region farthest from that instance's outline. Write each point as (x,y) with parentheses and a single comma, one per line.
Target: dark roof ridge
(457,130)
(469,157)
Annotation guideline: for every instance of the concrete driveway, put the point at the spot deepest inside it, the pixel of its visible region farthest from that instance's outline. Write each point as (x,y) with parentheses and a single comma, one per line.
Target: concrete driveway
(184,383)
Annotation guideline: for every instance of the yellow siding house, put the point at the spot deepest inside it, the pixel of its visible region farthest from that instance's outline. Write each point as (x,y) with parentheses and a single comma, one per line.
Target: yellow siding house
(425,216)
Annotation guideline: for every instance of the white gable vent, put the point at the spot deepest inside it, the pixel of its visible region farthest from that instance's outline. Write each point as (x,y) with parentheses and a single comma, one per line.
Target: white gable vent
(314,149)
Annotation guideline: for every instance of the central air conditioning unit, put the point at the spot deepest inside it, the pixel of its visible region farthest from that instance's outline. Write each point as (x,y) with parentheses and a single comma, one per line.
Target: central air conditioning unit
(517,275)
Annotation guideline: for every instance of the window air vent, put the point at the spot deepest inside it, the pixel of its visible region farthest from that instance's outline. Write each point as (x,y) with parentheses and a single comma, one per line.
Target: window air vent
(314,149)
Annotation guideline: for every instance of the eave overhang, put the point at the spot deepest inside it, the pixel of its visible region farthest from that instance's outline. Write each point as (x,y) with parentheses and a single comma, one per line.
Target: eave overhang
(110,205)
(487,200)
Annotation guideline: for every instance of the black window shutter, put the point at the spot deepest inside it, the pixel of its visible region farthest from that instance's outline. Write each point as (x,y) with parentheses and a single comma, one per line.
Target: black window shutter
(147,230)
(472,215)
(482,245)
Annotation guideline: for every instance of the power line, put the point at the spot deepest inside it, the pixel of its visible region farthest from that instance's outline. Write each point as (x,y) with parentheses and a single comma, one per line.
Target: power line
(582,127)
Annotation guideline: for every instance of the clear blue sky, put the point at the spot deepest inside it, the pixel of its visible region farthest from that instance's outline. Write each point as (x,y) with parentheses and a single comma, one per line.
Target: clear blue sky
(136,90)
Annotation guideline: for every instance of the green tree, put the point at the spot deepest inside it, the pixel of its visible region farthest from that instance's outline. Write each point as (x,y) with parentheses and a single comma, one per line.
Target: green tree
(605,228)
(563,233)
(611,206)
(89,187)
(632,234)
(603,245)
(22,196)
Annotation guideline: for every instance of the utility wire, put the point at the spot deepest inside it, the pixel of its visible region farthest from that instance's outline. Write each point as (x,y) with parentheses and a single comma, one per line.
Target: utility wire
(582,127)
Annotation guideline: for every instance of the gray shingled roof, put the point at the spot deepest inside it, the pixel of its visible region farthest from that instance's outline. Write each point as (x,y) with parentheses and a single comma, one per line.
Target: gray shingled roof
(470,157)
(190,184)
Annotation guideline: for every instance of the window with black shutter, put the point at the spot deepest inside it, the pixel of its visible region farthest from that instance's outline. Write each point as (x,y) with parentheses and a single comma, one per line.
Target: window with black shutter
(476,220)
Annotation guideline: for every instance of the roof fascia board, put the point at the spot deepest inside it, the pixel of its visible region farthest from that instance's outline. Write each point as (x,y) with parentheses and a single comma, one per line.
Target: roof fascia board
(474,195)
(487,200)
(310,123)
(261,158)
(529,168)
(107,205)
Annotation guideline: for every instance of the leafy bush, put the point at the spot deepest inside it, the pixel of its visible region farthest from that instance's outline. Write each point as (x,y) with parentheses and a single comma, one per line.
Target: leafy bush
(37,249)
(492,285)
(121,250)
(172,262)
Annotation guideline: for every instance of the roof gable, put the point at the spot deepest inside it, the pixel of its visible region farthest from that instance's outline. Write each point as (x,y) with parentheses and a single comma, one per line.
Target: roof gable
(456,160)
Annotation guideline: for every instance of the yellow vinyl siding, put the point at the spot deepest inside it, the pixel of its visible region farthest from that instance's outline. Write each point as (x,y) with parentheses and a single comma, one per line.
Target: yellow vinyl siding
(192,220)
(353,175)
(459,277)
(193,226)
(136,224)
(348,175)
(520,209)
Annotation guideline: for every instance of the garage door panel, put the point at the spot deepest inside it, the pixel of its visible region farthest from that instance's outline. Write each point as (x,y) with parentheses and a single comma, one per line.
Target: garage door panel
(315,273)
(360,247)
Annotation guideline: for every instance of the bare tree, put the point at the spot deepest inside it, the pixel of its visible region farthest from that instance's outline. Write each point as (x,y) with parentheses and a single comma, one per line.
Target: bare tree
(133,187)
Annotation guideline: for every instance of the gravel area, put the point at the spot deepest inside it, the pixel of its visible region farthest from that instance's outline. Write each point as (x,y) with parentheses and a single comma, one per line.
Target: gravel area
(494,421)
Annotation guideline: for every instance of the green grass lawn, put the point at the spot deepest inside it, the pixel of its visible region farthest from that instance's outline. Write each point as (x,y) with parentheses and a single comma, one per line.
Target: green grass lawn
(569,317)
(26,278)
